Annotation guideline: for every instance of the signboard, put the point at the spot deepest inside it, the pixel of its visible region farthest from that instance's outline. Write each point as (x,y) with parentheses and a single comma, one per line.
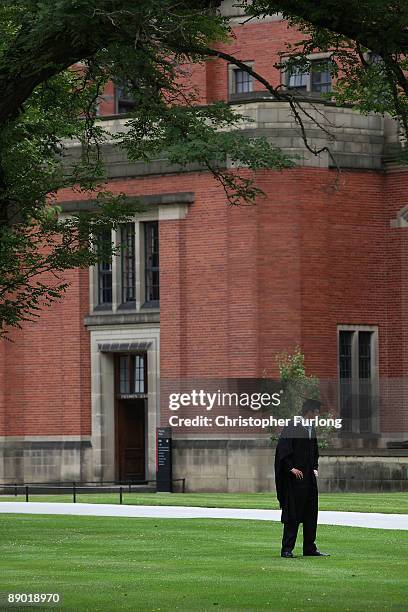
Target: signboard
(164,463)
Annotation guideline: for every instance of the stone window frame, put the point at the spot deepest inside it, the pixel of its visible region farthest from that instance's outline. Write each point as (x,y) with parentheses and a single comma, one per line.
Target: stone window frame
(117,304)
(375,421)
(232,69)
(312,57)
(401,218)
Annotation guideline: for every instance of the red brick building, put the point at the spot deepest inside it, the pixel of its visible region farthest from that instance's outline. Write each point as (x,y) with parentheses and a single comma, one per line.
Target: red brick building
(203,290)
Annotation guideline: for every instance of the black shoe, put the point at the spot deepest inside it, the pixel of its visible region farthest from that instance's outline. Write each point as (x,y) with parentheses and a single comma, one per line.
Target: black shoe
(287,554)
(316,553)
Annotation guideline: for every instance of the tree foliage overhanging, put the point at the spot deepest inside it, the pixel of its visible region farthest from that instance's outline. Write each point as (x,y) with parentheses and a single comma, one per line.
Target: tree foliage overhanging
(368,42)
(145,44)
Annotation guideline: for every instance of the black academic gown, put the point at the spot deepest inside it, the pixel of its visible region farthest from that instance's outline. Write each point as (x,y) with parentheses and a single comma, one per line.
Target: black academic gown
(296,450)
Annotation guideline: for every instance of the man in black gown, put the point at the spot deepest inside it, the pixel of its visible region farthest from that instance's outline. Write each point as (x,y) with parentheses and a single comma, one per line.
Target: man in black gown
(296,465)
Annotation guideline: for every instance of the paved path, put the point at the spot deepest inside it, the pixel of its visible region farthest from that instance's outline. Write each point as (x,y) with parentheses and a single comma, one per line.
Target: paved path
(351,519)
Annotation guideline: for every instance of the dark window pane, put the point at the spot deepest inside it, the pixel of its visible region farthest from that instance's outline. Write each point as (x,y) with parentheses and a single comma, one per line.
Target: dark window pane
(364,354)
(127,239)
(124,100)
(105,272)
(365,386)
(374,58)
(346,404)
(356,391)
(243,81)
(365,403)
(152,276)
(124,371)
(346,399)
(345,338)
(321,77)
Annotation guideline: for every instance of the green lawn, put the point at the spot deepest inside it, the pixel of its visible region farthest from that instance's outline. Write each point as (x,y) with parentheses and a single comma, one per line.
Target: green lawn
(106,564)
(348,502)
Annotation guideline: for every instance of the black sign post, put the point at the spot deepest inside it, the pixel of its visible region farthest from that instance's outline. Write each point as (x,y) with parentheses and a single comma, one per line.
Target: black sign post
(164,464)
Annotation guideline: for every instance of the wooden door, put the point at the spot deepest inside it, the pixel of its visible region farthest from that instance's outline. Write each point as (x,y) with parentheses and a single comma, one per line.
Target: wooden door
(131,439)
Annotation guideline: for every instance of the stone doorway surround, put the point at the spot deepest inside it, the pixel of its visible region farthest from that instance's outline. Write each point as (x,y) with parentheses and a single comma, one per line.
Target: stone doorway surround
(103,398)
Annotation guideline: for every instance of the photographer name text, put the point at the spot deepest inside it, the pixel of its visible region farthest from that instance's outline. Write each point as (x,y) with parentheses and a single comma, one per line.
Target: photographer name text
(223,420)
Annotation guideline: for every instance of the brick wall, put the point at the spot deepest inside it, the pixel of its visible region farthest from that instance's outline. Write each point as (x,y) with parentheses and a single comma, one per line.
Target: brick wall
(252,282)
(238,285)
(47,383)
(259,43)
(395,350)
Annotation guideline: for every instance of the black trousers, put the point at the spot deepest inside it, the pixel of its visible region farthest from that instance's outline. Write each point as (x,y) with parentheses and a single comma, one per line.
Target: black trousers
(309,520)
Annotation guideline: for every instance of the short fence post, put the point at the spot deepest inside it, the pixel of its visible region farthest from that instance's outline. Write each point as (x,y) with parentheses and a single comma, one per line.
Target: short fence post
(74,492)
(120,495)
(184,485)
(26,492)
(15,490)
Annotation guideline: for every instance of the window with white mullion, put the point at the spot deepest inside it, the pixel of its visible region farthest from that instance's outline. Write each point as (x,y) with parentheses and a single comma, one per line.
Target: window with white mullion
(316,78)
(132,374)
(243,81)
